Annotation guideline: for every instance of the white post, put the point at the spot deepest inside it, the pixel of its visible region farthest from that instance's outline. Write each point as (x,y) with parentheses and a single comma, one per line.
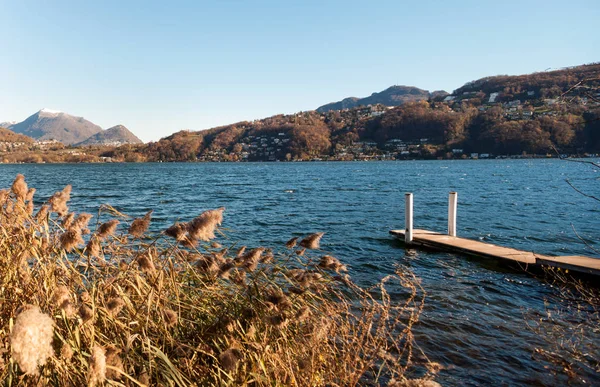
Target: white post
(408,218)
(452,203)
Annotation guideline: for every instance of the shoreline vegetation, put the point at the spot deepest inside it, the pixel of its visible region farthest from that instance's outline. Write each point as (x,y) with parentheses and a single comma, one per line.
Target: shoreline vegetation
(504,157)
(90,299)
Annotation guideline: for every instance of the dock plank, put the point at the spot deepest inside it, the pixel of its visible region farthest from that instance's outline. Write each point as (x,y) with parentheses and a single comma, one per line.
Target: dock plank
(459,245)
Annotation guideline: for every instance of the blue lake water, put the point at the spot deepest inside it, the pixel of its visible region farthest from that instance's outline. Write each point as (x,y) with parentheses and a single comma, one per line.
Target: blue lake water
(473,322)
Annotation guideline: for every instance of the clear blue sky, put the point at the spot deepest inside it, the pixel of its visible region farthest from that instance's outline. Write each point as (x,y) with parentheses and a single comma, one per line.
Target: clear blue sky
(159,67)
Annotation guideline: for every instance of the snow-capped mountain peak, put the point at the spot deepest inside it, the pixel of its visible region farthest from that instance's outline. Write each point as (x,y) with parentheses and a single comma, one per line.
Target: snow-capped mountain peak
(49,111)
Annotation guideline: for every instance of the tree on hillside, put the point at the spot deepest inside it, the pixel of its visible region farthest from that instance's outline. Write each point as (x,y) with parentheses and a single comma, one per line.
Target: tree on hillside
(180,146)
(227,138)
(310,140)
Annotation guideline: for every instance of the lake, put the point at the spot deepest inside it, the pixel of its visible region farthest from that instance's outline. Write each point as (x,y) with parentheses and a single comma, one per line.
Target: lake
(474,319)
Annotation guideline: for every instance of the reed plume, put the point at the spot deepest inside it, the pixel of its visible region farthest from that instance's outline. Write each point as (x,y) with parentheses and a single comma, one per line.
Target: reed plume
(251,258)
(203,227)
(67,220)
(86,313)
(82,221)
(97,370)
(66,352)
(330,263)
(71,239)
(30,193)
(114,305)
(177,231)
(113,359)
(92,249)
(146,264)
(42,214)
(170,317)
(312,241)
(140,225)
(230,358)
(240,252)
(62,296)
(225,268)
(291,243)
(31,339)
(302,314)
(19,188)
(107,229)
(4,196)
(58,201)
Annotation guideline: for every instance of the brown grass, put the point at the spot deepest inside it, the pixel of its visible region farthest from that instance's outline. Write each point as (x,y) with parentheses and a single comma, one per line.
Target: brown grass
(155,312)
(569,328)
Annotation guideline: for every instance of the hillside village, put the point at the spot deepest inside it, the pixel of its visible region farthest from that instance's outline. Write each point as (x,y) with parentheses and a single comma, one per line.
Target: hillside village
(495,117)
(560,116)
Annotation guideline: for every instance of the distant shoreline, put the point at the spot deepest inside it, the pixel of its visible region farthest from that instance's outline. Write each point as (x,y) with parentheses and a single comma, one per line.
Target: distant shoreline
(533,157)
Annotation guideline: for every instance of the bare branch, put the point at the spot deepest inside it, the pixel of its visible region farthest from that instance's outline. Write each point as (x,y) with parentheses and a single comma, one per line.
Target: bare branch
(581,192)
(575,86)
(575,160)
(584,241)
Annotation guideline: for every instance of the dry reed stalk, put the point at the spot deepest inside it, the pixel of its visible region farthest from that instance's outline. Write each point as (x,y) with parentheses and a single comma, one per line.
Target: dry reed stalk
(211,317)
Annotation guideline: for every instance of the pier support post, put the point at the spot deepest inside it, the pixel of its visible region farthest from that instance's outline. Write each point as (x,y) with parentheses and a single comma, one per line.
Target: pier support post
(408,218)
(452,203)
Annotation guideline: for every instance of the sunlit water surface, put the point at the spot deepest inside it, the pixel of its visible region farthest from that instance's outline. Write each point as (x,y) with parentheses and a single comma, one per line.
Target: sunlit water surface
(474,319)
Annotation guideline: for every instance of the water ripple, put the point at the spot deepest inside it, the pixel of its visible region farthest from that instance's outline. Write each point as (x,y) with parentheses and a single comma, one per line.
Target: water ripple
(473,321)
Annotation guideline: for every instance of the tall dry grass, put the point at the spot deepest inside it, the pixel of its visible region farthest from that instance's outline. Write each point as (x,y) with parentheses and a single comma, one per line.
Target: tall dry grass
(569,327)
(112,305)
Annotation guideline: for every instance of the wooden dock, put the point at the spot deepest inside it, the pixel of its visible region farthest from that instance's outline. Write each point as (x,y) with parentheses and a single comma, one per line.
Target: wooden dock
(443,242)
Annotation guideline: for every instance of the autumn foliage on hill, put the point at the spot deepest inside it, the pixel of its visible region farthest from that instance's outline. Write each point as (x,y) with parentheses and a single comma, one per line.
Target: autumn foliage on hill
(10,136)
(500,115)
(468,120)
(546,84)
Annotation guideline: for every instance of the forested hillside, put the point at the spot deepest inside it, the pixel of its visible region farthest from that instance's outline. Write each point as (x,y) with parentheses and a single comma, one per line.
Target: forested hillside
(492,117)
(502,115)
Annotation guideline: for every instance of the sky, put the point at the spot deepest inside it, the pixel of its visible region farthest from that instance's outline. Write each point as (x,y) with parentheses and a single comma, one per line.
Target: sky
(158,67)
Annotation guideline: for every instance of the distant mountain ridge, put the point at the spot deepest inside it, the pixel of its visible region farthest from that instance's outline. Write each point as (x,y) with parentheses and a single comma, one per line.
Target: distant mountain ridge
(48,124)
(116,135)
(392,96)
(7,124)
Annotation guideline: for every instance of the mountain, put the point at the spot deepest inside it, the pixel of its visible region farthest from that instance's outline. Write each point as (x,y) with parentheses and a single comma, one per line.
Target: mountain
(7,124)
(54,125)
(392,96)
(117,135)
